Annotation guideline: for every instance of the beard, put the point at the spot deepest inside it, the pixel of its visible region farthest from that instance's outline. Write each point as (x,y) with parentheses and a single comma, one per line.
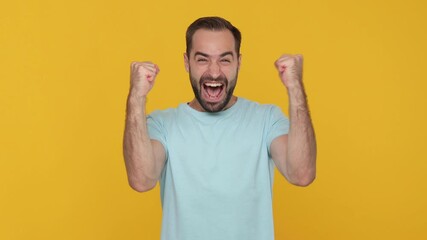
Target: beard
(228,86)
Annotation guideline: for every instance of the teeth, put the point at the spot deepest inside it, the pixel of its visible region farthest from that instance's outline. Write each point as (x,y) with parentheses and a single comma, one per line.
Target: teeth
(213,84)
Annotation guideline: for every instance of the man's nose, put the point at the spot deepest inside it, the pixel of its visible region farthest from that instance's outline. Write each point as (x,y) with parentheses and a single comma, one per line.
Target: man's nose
(214,69)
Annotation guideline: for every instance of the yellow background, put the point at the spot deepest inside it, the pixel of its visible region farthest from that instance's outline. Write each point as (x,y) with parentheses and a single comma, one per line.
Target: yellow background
(64,71)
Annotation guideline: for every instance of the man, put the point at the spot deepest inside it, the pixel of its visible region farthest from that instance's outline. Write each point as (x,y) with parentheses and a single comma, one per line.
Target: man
(215,156)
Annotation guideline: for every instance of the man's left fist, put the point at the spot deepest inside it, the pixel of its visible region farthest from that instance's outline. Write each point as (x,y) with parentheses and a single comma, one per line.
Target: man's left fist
(290,69)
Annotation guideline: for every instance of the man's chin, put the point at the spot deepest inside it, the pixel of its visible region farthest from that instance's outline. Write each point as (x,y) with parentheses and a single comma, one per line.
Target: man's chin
(216,106)
(213,107)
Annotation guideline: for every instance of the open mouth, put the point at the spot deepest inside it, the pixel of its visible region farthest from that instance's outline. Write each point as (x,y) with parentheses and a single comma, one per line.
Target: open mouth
(213,91)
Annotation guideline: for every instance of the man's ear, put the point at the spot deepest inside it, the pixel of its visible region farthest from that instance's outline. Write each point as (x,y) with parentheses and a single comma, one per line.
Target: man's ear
(239,61)
(186,63)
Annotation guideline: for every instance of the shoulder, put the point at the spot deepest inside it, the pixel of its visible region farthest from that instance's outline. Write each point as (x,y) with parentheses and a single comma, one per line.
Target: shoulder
(258,107)
(267,113)
(162,115)
(168,111)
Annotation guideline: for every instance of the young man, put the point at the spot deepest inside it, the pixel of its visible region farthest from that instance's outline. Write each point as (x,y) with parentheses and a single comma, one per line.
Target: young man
(215,156)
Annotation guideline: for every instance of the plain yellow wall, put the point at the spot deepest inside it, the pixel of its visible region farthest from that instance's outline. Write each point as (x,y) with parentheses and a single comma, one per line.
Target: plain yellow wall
(64,71)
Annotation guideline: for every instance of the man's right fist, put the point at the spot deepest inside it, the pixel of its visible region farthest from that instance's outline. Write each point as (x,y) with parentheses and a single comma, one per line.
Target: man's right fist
(142,76)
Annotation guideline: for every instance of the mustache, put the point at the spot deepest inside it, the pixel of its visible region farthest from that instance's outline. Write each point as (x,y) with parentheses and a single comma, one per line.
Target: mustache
(208,77)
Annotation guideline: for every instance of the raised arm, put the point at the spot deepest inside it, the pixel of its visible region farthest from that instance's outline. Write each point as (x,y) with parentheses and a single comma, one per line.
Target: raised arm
(295,153)
(144,158)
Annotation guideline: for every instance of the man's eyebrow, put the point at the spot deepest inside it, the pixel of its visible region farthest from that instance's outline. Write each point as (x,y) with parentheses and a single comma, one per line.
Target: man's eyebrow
(207,55)
(202,54)
(227,53)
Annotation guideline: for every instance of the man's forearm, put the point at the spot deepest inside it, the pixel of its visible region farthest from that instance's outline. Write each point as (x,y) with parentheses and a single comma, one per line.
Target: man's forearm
(137,148)
(301,159)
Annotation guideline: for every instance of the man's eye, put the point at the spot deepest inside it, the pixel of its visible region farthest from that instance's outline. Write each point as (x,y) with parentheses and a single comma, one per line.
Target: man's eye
(202,60)
(225,60)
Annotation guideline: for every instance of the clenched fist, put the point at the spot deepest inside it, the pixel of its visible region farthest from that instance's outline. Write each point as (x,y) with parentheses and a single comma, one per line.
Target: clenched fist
(290,70)
(142,77)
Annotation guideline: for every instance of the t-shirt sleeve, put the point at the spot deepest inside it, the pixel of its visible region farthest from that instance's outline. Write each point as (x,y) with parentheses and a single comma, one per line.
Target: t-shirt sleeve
(278,125)
(156,130)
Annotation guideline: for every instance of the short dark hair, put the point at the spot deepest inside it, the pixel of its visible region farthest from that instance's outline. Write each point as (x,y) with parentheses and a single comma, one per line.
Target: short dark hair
(214,24)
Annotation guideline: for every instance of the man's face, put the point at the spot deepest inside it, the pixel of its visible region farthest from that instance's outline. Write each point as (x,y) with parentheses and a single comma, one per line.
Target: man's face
(213,65)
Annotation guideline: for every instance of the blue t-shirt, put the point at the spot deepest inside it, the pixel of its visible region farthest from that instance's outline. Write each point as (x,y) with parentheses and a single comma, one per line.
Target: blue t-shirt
(217,180)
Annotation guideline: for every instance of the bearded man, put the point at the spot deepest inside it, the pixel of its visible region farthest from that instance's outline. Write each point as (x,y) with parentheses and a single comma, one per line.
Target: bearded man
(214,156)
